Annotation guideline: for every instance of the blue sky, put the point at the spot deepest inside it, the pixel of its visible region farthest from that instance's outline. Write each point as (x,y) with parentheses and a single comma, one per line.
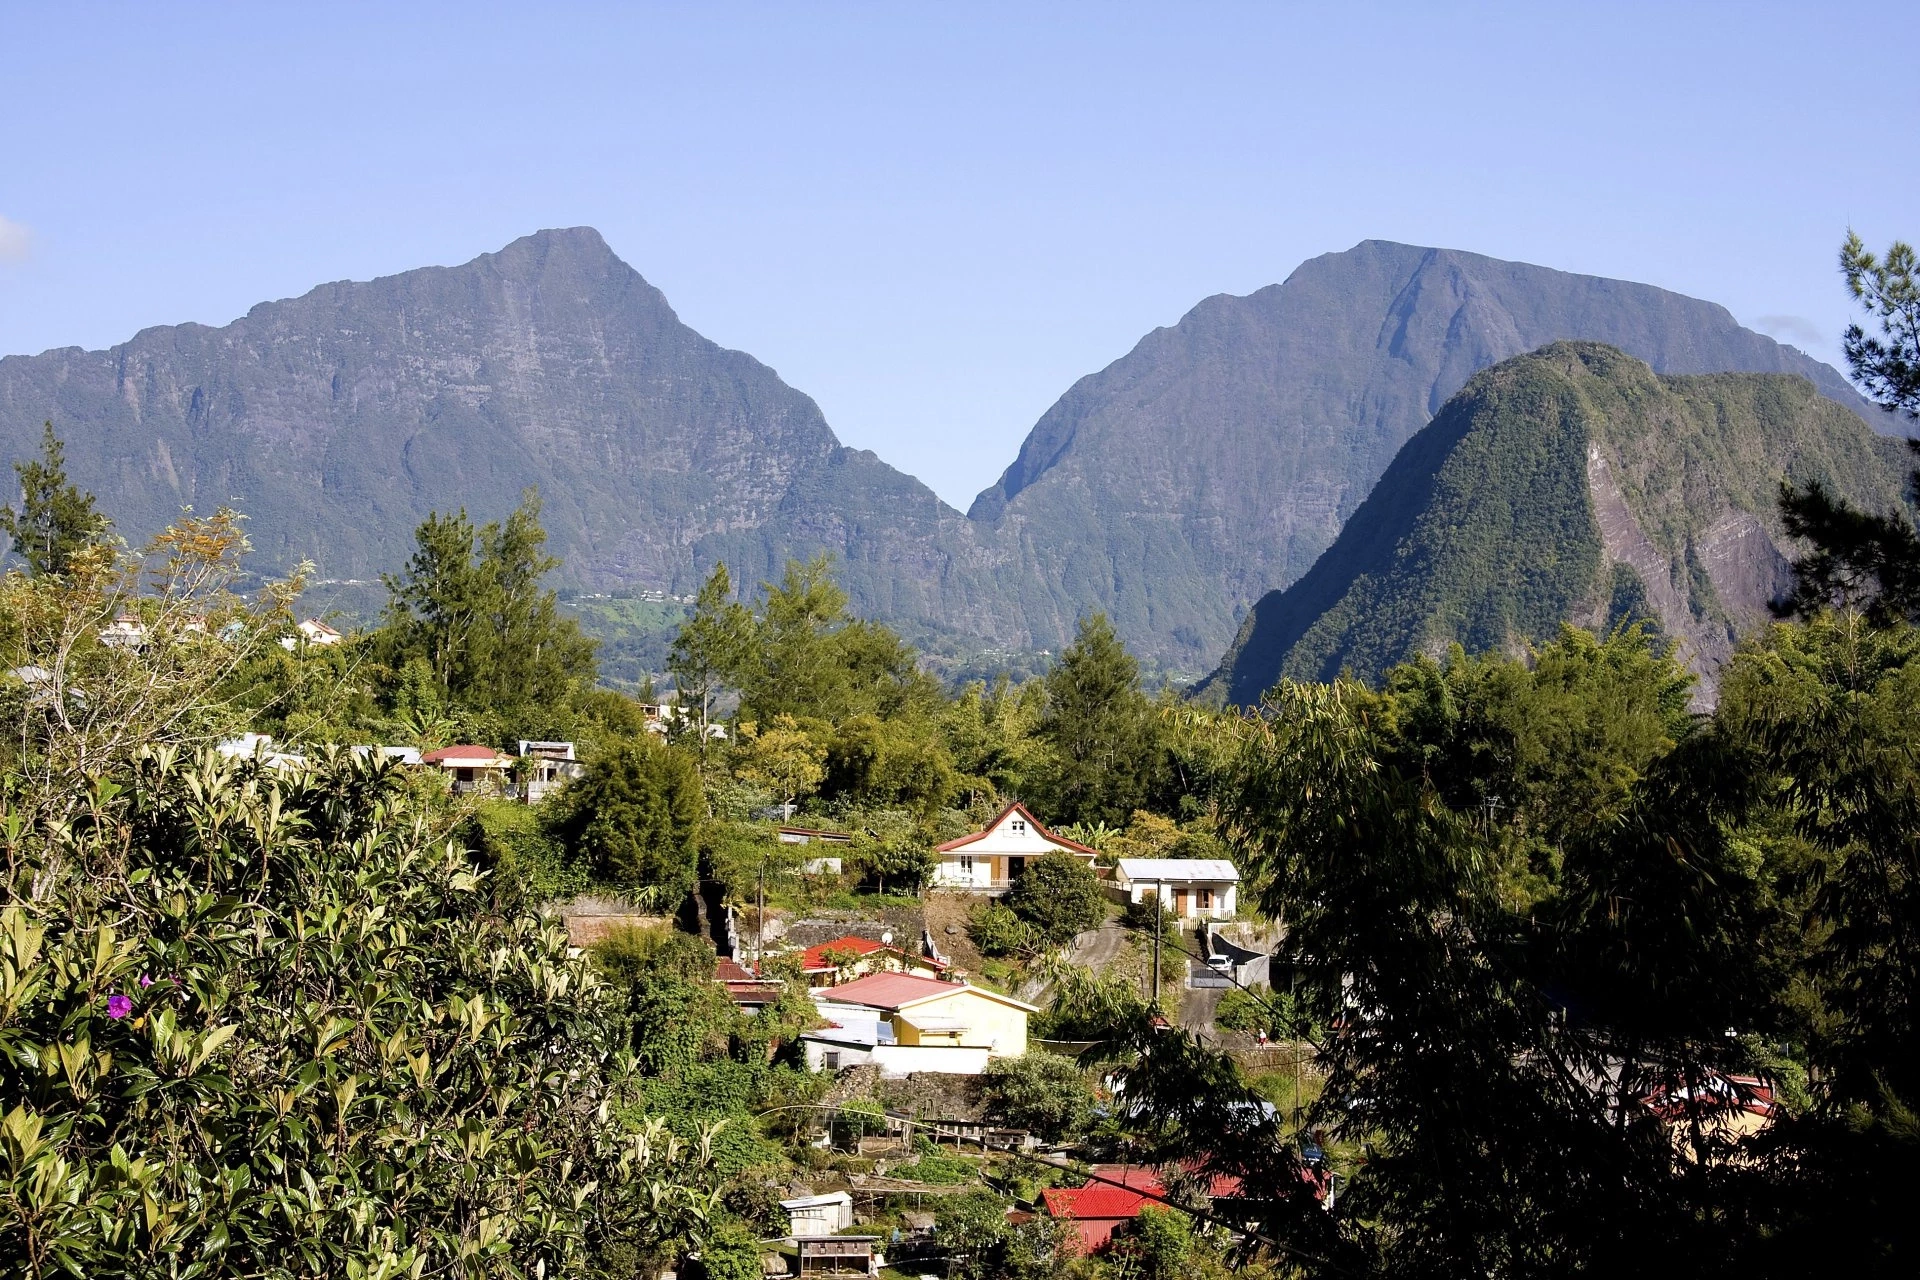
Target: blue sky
(934,218)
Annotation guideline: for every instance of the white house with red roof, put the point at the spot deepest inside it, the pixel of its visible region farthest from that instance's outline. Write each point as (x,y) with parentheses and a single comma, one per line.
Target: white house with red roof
(473,768)
(990,861)
(903,1023)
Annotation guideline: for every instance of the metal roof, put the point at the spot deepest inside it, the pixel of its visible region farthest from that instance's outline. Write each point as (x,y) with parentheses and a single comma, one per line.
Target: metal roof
(1153,870)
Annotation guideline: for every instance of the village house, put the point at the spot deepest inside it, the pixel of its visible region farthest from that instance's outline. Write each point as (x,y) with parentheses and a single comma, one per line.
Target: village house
(819,1215)
(990,861)
(1103,1207)
(903,1022)
(126,631)
(825,863)
(314,631)
(544,767)
(744,987)
(1191,888)
(474,770)
(827,964)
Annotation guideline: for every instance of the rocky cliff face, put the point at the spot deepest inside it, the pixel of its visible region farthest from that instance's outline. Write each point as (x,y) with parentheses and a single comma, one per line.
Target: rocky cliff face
(1572,484)
(1221,456)
(337,420)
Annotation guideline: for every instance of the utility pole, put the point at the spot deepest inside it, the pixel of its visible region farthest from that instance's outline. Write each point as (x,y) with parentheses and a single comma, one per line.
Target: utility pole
(760,913)
(1159,917)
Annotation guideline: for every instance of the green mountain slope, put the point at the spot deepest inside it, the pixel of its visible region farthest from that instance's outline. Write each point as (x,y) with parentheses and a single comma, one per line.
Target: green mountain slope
(1221,456)
(1572,484)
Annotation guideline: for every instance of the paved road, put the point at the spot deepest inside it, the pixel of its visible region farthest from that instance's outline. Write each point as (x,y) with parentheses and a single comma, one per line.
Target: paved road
(1100,947)
(1198,1005)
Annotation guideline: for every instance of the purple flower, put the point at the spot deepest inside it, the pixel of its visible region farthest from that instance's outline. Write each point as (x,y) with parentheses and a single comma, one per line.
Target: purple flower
(119,1006)
(145,982)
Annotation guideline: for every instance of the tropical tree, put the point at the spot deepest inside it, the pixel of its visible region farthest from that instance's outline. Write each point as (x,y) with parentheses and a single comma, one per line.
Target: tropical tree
(1038,1091)
(1059,896)
(711,646)
(783,757)
(258,1020)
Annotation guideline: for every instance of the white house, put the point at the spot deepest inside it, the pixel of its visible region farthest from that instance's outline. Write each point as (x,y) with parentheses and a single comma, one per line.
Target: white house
(546,765)
(1192,888)
(990,861)
(473,769)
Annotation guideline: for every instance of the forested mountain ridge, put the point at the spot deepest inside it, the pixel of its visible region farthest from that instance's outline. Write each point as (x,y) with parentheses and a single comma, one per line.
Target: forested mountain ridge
(1220,456)
(1572,484)
(337,420)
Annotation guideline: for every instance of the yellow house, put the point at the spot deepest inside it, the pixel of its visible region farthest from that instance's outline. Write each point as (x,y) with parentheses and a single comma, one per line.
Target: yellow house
(905,1022)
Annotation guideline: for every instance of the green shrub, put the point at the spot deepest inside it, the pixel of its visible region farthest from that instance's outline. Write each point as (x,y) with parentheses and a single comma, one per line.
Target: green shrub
(1059,896)
(997,931)
(632,815)
(1041,1092)
(233,972)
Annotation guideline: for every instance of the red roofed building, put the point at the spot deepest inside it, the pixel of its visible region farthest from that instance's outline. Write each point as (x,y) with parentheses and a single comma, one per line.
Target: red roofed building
(904,1022)
(829,963)
(473,768)
(990,861)
(744,987)
(1098,1209)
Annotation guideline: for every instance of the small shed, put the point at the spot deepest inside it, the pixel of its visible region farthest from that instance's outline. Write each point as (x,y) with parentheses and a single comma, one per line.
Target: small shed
(838,1255)
(819,1215)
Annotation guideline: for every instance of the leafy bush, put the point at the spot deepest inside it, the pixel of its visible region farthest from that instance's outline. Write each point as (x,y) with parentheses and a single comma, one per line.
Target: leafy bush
(1041,1092)
(1240,1011)
(998,932)
(1059,896)
(228,972)
(1140,915)
(936,1166)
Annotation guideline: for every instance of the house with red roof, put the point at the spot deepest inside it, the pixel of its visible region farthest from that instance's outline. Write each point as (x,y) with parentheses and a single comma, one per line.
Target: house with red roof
(473,768)
(828,964)
(1113,1199)
(744,987)
(990,861)
(904,1022)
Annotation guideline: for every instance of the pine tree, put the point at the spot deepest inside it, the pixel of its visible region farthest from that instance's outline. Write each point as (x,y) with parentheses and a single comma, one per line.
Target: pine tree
(470,605)
(1862,559)
(56,519)
(1100,726)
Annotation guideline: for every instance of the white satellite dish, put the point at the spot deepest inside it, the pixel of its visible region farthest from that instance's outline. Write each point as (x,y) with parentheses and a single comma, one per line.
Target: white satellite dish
(886,939)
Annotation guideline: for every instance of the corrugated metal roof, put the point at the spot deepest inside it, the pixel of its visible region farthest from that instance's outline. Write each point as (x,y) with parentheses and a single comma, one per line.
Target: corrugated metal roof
(1149,870)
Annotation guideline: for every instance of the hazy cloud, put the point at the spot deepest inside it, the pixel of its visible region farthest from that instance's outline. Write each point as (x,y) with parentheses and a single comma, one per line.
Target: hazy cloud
(15,239)
(1798,330)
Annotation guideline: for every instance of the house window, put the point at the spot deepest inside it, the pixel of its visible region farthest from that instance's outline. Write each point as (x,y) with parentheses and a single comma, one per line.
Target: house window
(1018,826)
(966,863)
(1203,898)
(832,1060)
